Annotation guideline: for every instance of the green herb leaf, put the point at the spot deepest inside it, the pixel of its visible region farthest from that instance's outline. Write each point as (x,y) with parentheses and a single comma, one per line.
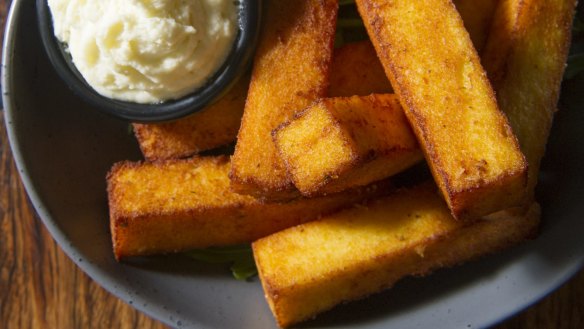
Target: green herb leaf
(239,257)
(244,268)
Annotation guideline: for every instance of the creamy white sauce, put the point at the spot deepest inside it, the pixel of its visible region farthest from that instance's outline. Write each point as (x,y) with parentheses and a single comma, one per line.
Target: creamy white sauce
(146,51)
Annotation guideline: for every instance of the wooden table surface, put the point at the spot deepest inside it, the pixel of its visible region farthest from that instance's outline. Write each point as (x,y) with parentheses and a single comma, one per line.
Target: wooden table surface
(40,287)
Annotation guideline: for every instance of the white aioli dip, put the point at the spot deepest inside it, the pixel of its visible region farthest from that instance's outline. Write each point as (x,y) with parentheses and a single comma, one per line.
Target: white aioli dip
(146,51)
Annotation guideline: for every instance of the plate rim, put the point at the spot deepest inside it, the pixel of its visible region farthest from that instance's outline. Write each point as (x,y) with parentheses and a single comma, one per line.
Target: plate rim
(104,279)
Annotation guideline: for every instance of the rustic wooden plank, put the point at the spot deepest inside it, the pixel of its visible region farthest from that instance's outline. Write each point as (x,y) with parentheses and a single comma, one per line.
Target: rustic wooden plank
(40,287)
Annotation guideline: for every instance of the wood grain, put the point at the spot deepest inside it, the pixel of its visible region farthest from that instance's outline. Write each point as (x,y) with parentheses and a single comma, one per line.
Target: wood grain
(40,287)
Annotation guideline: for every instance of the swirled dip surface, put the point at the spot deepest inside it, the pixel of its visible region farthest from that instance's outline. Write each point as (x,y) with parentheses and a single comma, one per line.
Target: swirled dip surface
(146,51)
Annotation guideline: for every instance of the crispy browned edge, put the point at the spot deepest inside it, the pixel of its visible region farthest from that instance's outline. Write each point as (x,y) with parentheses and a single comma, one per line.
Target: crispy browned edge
(355,162)
(355,158)
(502,35)
(114,202)
(117,220)
(285,190)
(454,198)
(360,83)
(114,213)
(141,132)
(474,195)
(160,150)
(529,214)
(506,32)
(275,193)
(257,207)
(477,23)
(359,161)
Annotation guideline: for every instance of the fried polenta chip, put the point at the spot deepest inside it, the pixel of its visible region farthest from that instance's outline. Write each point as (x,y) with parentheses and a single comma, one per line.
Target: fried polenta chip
(356,70)
(344,142)
(291,70)
(477,16)
(215,126)
(525,58)
(312,267)
(176,205)
(435,71)
(501,37)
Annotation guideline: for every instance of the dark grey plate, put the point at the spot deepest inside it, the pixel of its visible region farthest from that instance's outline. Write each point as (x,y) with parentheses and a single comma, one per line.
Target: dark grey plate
(63,150)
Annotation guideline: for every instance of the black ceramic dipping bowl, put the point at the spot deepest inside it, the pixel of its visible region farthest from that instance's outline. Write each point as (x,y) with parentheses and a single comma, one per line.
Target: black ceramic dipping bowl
(234,66)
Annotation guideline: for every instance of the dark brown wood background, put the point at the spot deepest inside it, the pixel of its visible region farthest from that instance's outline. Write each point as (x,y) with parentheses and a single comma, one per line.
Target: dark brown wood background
(41,288)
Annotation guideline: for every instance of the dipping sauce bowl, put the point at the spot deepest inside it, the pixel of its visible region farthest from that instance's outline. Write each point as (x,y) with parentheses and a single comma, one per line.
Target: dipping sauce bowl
(236,64)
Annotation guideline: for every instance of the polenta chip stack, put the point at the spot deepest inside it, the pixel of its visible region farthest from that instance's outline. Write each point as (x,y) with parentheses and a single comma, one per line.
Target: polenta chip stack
(306,183)
(291,70)
(344,142)
(429,58)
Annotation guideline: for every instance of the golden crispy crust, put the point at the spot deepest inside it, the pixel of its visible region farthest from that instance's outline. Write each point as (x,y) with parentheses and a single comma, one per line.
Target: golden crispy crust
(343,142)
(175,205)
(435,71)
(525,59)
(215,126)
(502,36)
(291,70)
(356,70)
(369,248)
